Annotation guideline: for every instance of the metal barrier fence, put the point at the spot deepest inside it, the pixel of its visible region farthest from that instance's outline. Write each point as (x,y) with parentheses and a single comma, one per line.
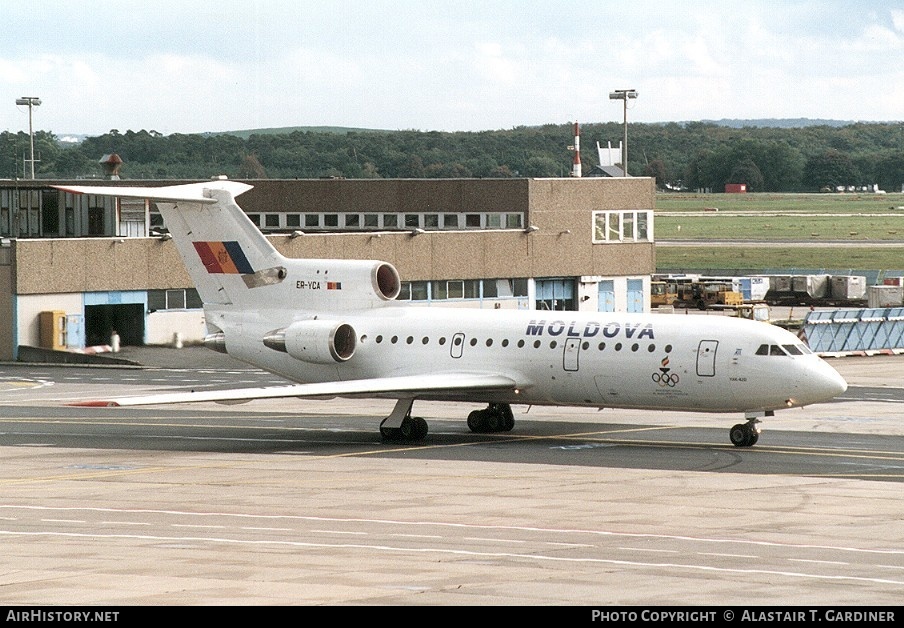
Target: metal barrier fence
(841,331)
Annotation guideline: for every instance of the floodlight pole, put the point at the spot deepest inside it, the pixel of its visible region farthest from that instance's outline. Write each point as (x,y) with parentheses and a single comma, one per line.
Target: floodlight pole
(624,95)
(31,102)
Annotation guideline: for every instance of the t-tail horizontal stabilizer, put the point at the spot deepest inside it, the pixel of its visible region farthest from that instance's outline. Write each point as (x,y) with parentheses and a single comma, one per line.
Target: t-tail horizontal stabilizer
(224,252)
(232,263)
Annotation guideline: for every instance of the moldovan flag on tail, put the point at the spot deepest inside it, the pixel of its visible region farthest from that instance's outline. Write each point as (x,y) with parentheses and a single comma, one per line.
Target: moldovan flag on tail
(223,258)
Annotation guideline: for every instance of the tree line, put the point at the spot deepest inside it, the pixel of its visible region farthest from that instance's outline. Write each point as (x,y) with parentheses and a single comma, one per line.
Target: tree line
(693,155)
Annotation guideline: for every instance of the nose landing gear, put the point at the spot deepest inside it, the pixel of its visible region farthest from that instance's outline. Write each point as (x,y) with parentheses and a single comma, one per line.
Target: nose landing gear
(745,434)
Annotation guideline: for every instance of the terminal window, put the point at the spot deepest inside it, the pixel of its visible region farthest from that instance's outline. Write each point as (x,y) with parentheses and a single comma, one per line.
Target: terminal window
(623,226)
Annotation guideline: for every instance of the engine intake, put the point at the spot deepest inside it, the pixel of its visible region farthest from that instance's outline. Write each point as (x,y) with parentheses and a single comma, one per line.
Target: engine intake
(386,281)
(317,341)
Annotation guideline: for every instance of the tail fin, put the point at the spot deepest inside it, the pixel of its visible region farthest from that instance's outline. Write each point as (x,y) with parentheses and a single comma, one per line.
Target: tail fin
(228,257)
(222,249)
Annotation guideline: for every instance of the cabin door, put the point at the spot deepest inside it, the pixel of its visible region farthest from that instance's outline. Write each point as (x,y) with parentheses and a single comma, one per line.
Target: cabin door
(571,354)
(458,345)
(706,358)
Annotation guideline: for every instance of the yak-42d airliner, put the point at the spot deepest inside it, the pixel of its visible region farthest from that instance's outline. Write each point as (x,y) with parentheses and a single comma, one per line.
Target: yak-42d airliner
(334,327)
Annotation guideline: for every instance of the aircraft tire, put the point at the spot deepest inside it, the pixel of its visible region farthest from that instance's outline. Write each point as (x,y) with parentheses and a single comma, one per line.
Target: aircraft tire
(743,435)
(420,428)
(413,429)
(475,421)
(495,418)
(739,435)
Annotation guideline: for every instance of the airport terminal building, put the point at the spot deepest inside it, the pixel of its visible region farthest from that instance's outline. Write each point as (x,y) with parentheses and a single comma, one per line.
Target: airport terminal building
(76,268)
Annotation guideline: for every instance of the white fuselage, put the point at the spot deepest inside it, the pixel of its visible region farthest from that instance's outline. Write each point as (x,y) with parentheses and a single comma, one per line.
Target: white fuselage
(658,361)
(335,327)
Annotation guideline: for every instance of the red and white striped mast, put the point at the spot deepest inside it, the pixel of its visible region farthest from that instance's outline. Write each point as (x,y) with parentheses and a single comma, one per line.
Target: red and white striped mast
(576,164)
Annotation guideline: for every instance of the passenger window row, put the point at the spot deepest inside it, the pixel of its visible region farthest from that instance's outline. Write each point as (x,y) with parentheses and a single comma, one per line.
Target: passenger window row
(536,344)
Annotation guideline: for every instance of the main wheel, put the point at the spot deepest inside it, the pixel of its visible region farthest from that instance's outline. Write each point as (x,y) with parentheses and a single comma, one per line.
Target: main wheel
(412,429)
(420,428)
(389,433)
(475,421)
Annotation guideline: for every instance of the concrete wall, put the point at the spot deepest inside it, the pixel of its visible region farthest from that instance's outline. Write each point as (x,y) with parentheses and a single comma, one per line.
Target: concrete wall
(162,326)
(7,311)
(100,264)
(483,254)
(97,264)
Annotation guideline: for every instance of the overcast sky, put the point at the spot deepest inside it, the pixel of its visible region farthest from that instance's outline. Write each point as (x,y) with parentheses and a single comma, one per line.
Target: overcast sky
(456,65)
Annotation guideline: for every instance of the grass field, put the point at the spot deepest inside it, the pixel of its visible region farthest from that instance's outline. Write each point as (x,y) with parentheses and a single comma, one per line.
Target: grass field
(854,220)
(811,203)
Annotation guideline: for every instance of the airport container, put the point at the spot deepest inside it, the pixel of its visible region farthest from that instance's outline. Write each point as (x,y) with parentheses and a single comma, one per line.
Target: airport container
(848,287)
(811,286)
(884,296)
(753,288)
(780,284)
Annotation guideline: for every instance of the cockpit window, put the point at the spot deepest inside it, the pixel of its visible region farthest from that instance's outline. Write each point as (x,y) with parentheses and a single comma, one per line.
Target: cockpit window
(783,350)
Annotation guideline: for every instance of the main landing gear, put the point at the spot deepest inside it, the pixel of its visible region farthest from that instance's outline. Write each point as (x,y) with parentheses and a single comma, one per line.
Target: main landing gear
(745,434)
(497,417)
(400,426)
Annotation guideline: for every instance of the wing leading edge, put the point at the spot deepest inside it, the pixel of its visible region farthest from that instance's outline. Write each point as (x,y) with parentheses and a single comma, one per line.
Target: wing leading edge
(409,386)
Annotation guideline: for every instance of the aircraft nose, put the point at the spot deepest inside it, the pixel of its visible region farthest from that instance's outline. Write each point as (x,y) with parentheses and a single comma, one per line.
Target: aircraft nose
(816,382)
(827,383)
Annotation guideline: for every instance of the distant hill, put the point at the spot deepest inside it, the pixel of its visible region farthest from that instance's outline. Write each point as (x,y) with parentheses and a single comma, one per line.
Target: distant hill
(779,123)
(285,130)
(693,154)
(735,123)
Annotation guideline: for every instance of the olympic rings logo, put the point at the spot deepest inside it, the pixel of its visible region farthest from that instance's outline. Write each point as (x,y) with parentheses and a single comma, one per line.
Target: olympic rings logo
(666,379)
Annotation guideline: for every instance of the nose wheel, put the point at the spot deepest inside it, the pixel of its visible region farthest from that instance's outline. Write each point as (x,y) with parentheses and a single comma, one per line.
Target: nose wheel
(745,434)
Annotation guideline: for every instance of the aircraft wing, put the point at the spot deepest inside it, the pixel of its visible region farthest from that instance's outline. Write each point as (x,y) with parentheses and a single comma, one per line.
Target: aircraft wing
(412,386)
